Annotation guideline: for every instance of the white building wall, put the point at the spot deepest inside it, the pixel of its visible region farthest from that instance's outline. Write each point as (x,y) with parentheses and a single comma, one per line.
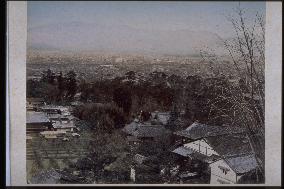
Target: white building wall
(218,176)
(202,147)
(132,174)
(239,177)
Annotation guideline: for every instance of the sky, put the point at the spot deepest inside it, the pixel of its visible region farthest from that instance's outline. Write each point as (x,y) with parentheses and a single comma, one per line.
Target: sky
(145,16)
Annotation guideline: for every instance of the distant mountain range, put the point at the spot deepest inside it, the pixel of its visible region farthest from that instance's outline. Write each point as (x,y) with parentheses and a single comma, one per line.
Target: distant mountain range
(78,36)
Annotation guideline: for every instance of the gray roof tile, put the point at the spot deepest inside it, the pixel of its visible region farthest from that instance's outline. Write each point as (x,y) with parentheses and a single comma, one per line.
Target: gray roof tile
(242,164)
(229,145)
(36,117)
(144,130)
(183,151)
(198,131)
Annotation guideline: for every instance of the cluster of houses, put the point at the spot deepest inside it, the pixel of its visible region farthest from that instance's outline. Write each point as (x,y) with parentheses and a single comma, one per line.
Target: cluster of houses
(144,133)
(222,152)
(49,121)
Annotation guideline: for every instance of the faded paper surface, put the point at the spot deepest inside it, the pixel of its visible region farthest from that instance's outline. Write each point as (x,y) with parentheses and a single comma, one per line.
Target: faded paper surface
(273,94)
(17,28)
(17,35)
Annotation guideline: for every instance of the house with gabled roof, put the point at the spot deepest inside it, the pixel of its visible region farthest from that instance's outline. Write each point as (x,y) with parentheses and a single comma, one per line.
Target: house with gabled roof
(225,149)
(199,131)
(230,169)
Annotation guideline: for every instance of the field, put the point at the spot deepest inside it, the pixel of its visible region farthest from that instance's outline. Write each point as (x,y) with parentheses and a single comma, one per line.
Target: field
(44,154)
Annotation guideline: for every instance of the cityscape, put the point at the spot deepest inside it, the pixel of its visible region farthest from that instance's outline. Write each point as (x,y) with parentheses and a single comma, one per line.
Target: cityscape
(111,110)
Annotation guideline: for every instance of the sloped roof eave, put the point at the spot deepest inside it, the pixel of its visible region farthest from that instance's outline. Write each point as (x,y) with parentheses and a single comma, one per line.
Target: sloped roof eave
(234,169)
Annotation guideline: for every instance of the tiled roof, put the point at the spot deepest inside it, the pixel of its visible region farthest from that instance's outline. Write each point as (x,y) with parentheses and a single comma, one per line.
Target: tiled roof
(198,130)
(36,117)
(60,117)
(144,130)
(242,164)
(188,152)
(183,151)
(229,142)
(54,116)
(228,145)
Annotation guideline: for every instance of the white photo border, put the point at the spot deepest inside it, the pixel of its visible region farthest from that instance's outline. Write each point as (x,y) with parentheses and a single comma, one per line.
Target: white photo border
(16,135)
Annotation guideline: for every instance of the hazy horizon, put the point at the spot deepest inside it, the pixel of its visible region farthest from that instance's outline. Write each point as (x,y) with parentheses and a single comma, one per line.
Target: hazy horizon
(132,27)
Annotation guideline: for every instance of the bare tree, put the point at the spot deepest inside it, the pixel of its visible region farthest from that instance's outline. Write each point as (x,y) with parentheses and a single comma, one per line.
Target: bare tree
(247,54)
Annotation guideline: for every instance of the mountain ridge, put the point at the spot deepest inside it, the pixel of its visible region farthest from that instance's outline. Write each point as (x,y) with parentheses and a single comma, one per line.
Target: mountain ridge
(77,36)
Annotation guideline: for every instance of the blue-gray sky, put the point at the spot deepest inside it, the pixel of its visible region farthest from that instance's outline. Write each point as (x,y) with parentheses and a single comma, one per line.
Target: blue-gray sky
(144,16)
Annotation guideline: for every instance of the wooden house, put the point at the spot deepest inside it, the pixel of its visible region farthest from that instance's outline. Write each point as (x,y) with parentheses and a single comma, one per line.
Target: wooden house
(226,151)
(230,169)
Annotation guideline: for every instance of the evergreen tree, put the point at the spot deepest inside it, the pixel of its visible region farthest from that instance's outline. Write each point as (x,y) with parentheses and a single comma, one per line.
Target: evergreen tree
(122,97)
(60,84)
(174,115)
(48,76)
(71,84)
